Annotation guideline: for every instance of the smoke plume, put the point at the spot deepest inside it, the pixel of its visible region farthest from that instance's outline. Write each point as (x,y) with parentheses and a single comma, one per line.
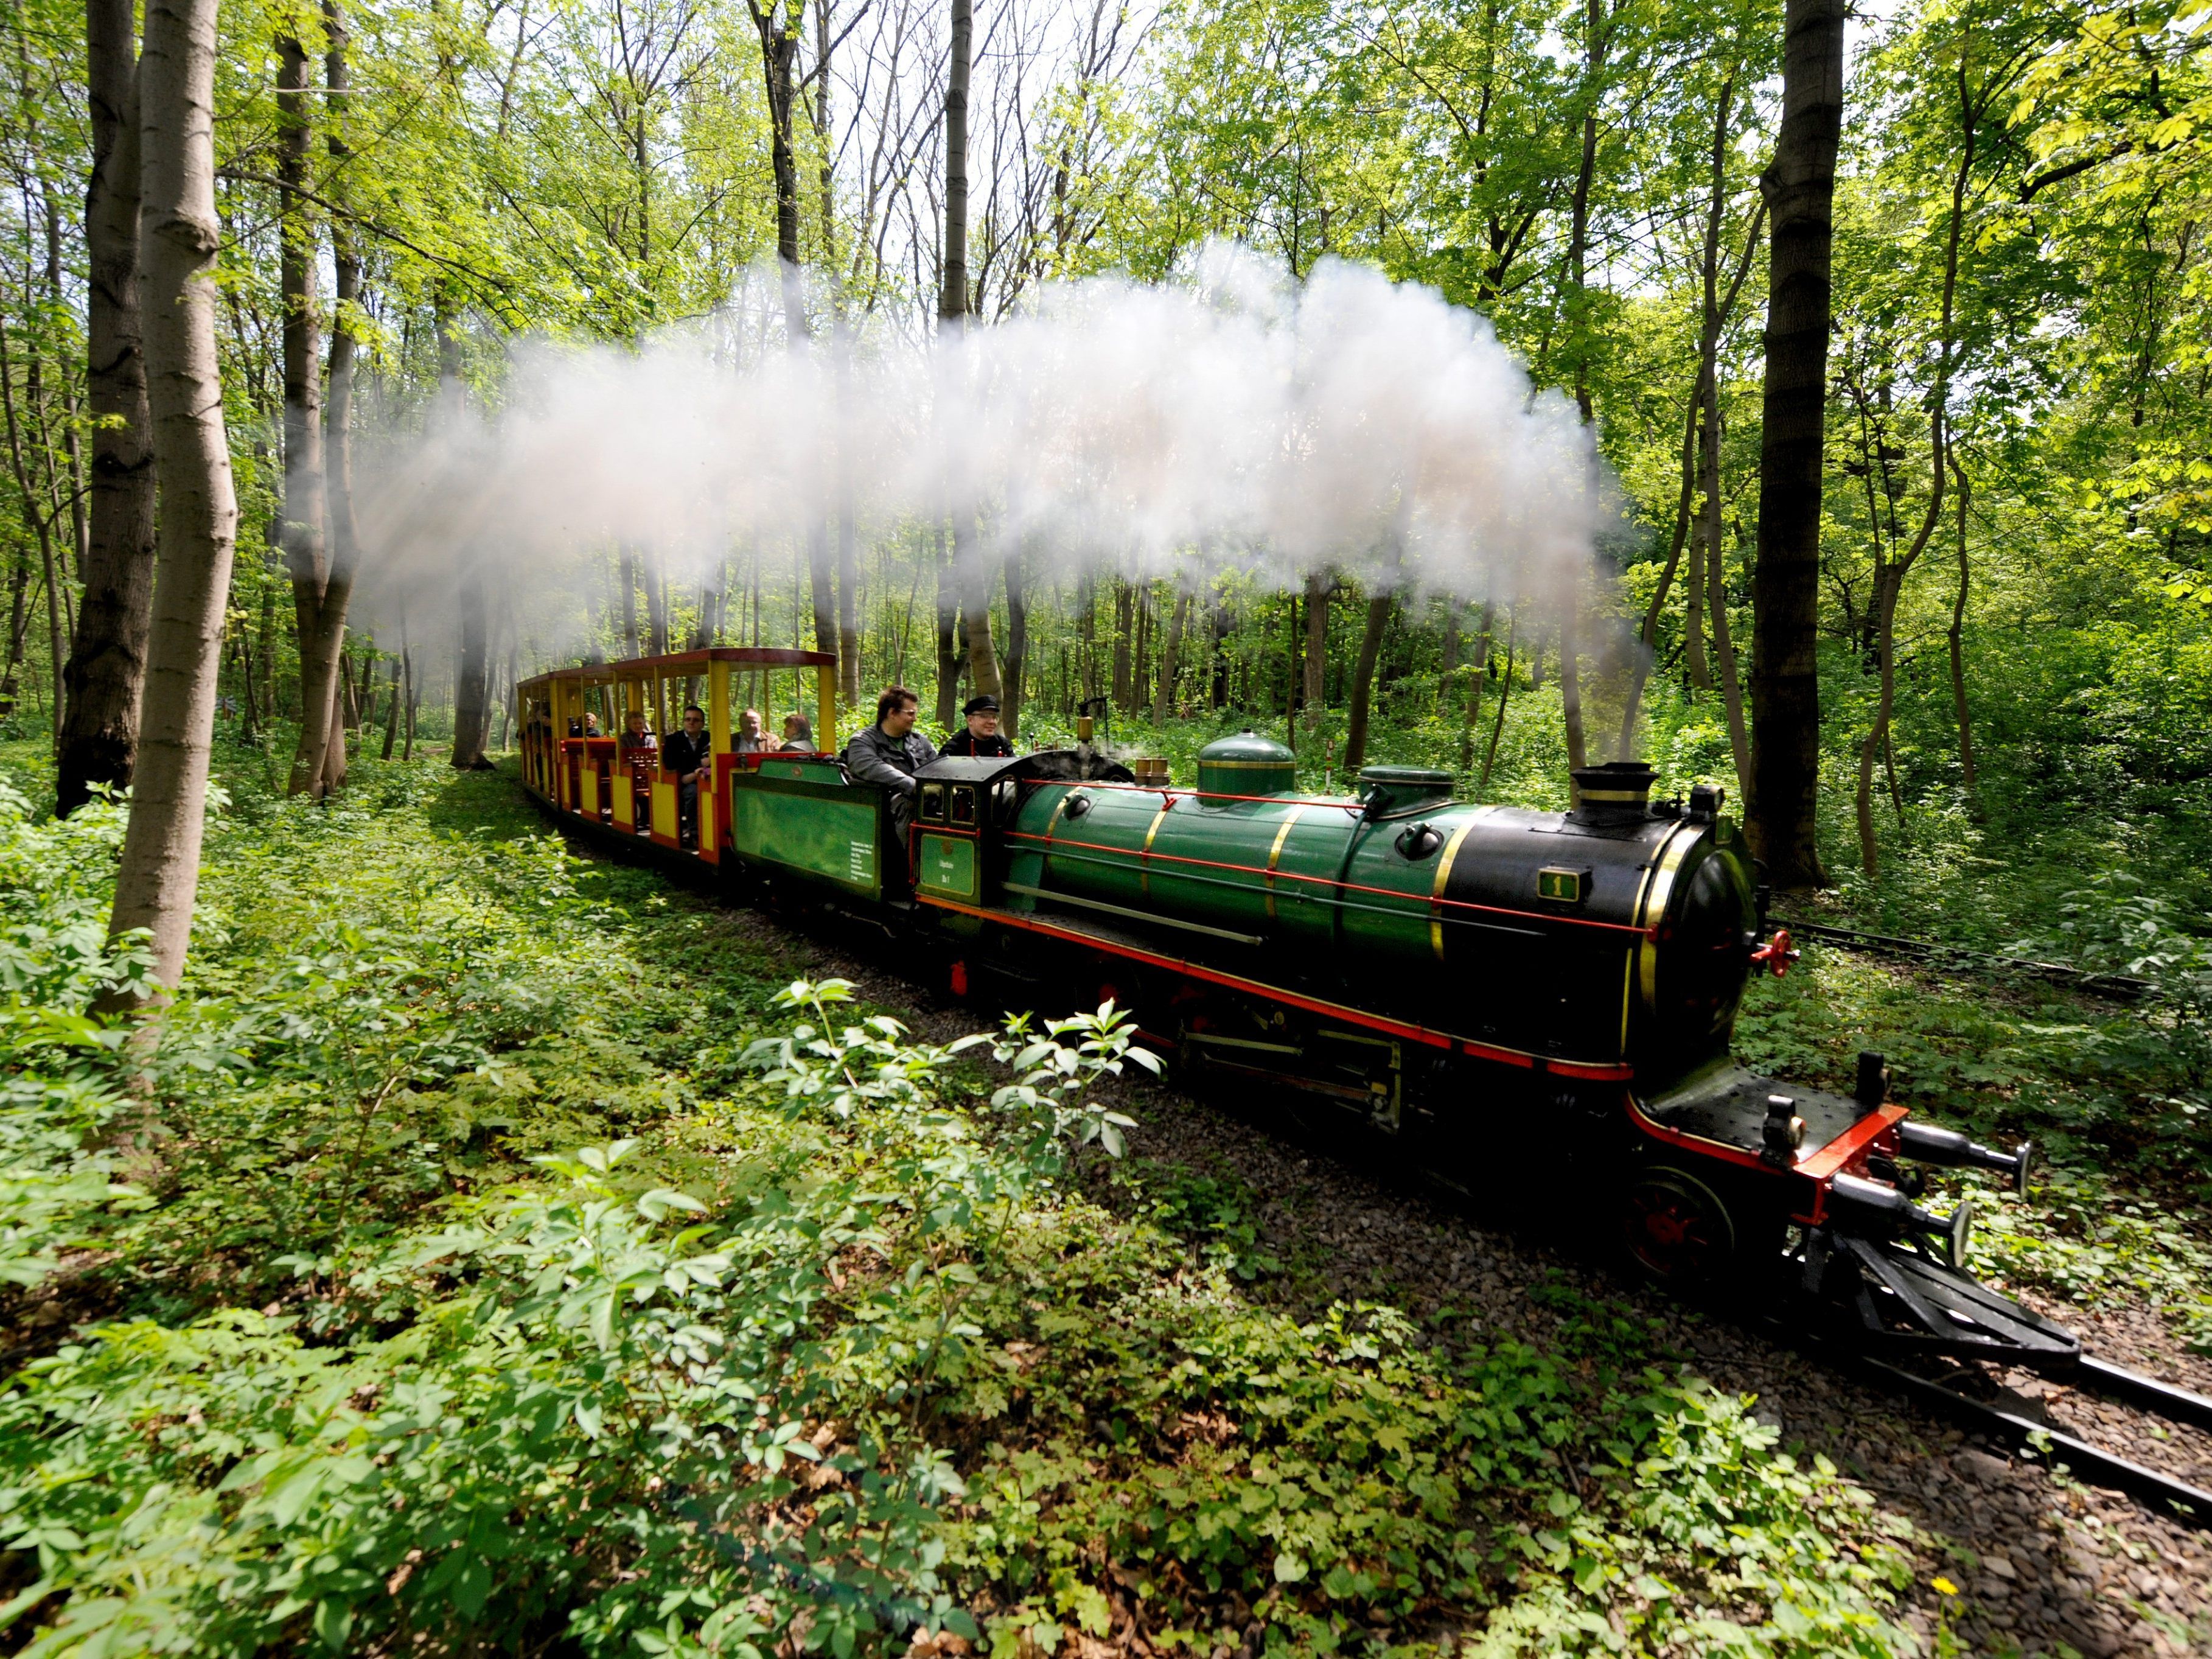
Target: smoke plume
(1234,421)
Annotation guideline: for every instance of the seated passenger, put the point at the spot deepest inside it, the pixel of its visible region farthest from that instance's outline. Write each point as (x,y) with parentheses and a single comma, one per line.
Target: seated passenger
(689,755)
(637,743)
(890,752)
(981,737)
(747,739)
(798,734)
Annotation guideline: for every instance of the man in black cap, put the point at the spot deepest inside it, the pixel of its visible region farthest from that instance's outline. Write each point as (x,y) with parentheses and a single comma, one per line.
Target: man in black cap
(981,737)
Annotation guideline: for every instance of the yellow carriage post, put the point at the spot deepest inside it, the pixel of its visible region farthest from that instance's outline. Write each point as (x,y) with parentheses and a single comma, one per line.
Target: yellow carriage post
(825,696)
(567,707)
(668,820)
(718,727)
(624,781)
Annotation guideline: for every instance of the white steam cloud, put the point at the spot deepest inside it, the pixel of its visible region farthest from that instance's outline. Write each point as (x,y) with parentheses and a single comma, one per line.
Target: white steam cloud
(1237,421)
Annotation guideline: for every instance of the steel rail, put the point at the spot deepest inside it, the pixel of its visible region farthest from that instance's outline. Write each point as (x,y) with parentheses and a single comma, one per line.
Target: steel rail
(2175,1405)
(2166,1493)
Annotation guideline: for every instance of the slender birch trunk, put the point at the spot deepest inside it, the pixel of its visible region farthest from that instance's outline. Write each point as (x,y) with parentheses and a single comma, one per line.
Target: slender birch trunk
(157,876)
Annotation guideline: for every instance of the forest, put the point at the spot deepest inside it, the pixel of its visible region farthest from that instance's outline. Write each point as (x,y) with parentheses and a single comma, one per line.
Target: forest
(417,1234)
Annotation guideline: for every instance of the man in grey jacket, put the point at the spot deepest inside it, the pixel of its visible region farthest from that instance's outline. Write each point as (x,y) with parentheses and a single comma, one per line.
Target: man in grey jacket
(890,751)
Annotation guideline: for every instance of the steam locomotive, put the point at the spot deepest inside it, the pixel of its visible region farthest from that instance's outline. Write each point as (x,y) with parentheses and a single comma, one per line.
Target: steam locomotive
(1494,989)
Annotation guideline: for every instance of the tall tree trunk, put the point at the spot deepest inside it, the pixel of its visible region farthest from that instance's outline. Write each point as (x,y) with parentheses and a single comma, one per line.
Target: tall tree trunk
(19,622)
(344,535)
(656,604)
(413,692)
(1647,635)
(245,691)
(472,671)
(1141,650)
(1319,587)
(157,876)
(106,672)
(1363,682)
(1447,654)
(1170,660)
(1474,711)
(39,513)
(952,281)
(1785,686)
(780,27)
(848,583)
(1717,599)
(948,648)
(975,586)
(1018,646)
(626,572)
(306,550)
(1959,711)
(1889,583)
(1505,695)
(1596,43)
(392,715)
(1570,691)
(1693,578)
(974,576)
(470,668)
(1125,623)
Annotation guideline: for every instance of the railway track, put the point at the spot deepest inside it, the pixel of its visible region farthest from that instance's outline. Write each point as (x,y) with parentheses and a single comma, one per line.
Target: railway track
(2116,988)
(1968,1396)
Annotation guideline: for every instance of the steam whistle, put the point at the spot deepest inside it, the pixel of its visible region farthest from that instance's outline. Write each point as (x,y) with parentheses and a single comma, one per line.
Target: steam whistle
(1088,713)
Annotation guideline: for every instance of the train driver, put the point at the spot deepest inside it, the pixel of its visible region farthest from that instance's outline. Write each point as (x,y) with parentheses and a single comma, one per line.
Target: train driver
(982,736)
(890,752)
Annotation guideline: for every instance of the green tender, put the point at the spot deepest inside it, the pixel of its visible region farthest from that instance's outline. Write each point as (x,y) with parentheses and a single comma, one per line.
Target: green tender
(826,831)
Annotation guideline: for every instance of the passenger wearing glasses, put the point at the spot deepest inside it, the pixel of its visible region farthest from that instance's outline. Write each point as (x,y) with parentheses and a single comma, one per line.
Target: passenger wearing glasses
(688,754)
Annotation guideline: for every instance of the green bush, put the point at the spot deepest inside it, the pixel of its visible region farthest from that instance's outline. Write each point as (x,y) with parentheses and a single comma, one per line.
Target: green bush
(518,1259)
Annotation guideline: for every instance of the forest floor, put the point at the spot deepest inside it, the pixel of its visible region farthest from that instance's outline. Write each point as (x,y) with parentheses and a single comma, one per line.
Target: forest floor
(351,1340)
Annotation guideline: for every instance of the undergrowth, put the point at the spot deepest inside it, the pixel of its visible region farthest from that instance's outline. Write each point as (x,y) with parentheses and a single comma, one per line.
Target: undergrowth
(504,1251)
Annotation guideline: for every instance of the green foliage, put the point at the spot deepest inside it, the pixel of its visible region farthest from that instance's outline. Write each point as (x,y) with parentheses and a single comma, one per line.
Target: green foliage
(525,1256)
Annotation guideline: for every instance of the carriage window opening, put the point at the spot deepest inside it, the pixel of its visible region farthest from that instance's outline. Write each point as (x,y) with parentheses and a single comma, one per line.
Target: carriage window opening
(963,805)
(932,803)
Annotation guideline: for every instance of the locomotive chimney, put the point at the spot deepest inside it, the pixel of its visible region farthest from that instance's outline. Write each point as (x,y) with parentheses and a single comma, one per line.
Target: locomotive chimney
(1619,792)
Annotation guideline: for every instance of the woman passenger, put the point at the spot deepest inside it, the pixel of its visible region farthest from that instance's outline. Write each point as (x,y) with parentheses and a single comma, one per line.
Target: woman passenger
(798,735)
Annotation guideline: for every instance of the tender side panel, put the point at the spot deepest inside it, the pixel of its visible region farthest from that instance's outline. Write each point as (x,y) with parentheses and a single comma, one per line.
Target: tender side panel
(827,832)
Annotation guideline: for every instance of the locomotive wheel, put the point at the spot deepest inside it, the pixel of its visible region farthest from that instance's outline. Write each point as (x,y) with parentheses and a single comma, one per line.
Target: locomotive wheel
(1677,1229)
